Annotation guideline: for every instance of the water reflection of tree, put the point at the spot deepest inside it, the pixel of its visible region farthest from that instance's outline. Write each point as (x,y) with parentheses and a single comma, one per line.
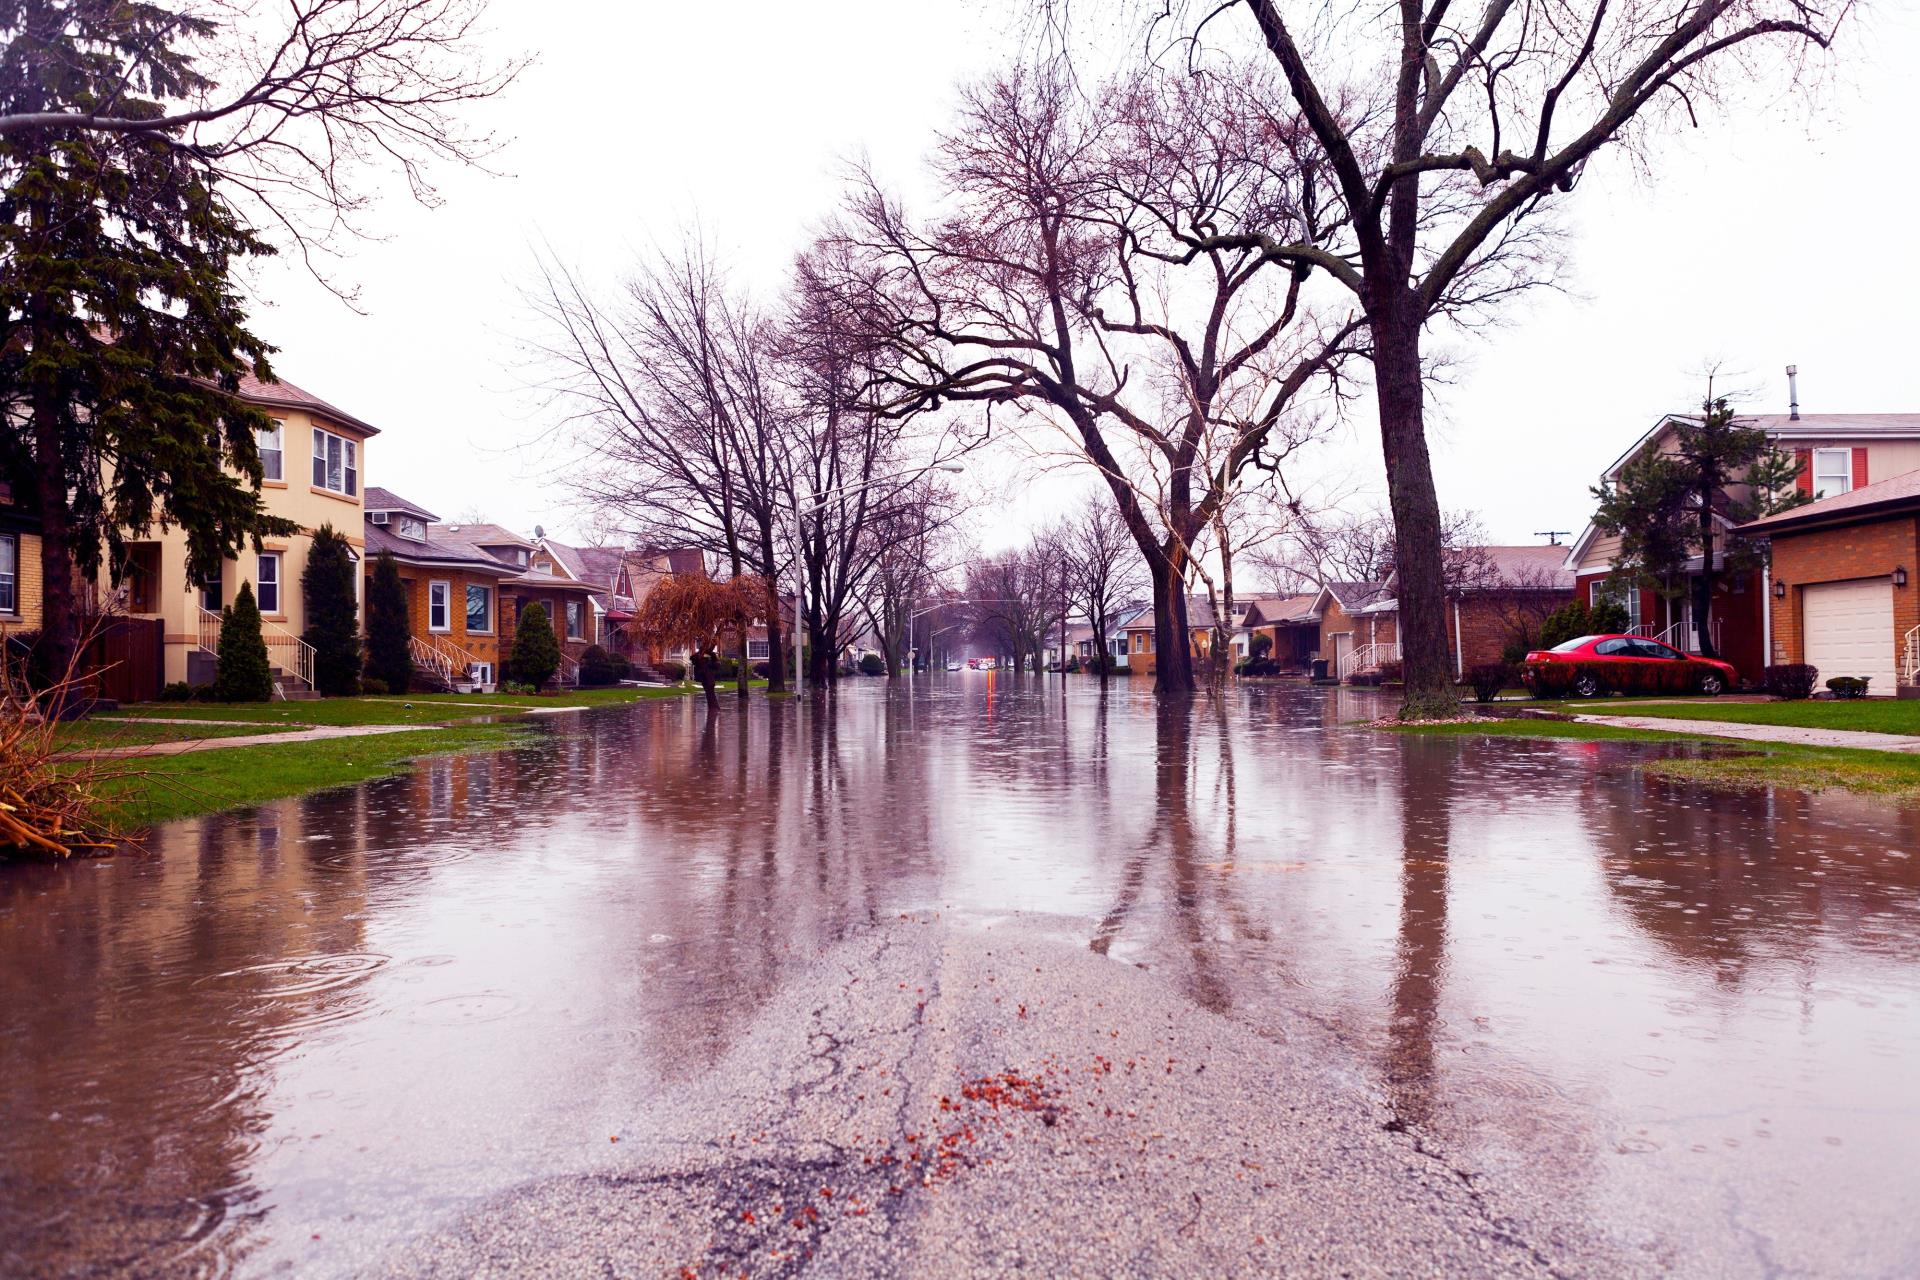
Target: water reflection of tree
(1721,879)
(1420,955)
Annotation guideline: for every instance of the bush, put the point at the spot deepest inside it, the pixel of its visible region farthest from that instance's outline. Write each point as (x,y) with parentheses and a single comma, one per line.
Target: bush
(674,671)
(1394,672)
(514,686)
(762,671)
(1563,624)
(1259,667)
(598,668)
(1488,679)
(373,685)
(178,691)
(1261,645)
(328,585)
(1609,617)
(1515,651)
(872,664)
(1791,680)
(536,654)
(202,693)
(245,675)
(389,634)
(1849,686)
(725,668)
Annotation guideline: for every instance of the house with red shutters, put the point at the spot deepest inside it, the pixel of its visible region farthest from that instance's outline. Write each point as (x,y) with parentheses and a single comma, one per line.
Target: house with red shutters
(1837,452)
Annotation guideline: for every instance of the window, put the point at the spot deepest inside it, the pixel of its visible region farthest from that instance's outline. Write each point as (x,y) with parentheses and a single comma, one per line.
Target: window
(409,527)
(336,465)
(1653,649)
(574,620)
(479,609)
(272,456)
(1832,472)
(1616,648)
(213,593)
(9,573)
(756,649)
(267,590)
(438,619)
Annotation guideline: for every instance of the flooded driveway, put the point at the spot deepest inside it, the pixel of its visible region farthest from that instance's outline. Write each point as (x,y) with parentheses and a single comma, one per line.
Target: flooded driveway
(1598,1023)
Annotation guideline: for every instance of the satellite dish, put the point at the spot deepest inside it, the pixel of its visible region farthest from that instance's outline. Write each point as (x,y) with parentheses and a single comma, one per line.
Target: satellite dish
(539,532)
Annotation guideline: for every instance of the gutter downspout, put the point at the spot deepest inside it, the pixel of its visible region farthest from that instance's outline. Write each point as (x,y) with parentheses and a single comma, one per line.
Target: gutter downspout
(1766,617)
(1459,648)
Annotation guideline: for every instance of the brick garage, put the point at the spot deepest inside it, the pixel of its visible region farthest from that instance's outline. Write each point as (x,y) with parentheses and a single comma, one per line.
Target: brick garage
(1868,536)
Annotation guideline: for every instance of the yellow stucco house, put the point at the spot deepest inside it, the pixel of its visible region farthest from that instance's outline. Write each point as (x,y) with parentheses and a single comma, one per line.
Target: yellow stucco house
(315,459)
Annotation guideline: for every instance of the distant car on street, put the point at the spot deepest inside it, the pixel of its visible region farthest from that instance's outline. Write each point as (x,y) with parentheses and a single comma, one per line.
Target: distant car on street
(1587,666)
(953,666)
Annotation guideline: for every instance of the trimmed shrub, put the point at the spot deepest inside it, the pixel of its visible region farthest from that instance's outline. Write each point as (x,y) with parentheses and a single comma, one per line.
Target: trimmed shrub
(1563,624)
(1488,679)
(244,674)
(1261,645)
(178,691)
(1394,672)
(1849,686)
(536,654)
(674,671)
(1515,651)
(872,664)
(1259,667)
(1791,680)
(333,622)
(389,633)
(762,670)
(373,685)
(598,668)
(1609,617)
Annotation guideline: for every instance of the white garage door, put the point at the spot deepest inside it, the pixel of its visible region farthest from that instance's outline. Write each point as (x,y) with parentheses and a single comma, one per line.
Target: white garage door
(1849,629)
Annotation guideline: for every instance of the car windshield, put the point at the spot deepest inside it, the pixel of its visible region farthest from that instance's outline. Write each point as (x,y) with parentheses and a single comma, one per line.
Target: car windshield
(1578,642)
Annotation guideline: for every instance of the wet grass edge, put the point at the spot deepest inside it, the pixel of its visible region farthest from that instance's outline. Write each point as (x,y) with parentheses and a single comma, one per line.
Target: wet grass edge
(1888,775)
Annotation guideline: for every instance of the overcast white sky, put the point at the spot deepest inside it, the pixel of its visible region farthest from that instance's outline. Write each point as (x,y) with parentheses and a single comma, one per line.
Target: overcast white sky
(1785,236)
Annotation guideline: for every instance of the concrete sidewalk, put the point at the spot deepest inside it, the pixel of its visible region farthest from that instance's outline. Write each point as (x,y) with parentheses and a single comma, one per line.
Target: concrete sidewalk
(318,733)
(1792,735)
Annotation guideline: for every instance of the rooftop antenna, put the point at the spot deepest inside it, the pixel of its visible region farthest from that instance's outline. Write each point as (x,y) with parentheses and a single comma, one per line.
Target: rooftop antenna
(1552,536)
(1793,393)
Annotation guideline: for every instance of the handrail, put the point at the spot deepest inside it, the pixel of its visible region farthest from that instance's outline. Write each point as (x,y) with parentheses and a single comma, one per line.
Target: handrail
(1368,655)
(285,651)
(440,655)
(1912,673)
(1680,635)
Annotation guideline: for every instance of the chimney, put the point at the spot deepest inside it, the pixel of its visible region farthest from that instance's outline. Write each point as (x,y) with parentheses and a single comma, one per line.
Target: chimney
(1793,393)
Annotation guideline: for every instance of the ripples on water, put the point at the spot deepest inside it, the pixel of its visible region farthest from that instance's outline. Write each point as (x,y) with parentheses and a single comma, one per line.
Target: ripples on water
(313,1028)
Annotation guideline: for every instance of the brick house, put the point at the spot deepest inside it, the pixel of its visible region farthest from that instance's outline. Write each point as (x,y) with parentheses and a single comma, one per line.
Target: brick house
(618,579)
(1841,595)
(1138,630)
(1290,623)
(1355,632)
(1838,453)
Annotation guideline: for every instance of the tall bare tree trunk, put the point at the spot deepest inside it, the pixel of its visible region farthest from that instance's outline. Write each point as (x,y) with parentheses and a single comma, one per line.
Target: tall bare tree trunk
(1401,395)
(1702,585)
(1173,658)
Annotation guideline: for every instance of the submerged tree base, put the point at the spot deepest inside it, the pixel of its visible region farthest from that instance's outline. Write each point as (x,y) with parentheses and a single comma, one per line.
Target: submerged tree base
(1430,706)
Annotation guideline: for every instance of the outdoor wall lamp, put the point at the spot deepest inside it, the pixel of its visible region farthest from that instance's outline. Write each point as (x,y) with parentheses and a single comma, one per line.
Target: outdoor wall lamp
(1899,577)
(1779,589)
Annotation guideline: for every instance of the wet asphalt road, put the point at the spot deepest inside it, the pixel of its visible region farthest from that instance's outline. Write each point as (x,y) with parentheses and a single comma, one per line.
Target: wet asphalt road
(930,1100)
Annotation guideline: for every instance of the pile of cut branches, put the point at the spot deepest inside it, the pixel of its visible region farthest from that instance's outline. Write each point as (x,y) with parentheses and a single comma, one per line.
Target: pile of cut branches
(48,807)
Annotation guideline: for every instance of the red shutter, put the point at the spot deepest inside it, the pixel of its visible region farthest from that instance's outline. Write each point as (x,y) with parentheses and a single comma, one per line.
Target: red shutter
(1803,478)
(1859,466)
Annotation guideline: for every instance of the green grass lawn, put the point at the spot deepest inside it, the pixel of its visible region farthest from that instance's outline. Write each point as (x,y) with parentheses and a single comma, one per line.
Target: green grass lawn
(416,708)
(1892,774)
(179,786)
(1868,715)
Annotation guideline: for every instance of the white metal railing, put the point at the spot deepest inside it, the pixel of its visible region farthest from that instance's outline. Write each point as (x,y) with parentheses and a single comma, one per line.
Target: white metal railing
(441,656)
(1910,664)
(1368,655)
(1682,636)
(285,651)
(1646,630)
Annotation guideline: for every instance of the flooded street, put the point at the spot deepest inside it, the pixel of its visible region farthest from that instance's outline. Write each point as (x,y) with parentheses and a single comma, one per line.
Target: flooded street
(1625,1024)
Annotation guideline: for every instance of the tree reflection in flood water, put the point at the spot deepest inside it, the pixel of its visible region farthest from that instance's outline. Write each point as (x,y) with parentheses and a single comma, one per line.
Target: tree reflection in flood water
(297,1035)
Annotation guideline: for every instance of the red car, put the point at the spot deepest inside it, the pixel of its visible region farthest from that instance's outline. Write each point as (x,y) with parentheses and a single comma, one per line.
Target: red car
(1587,666)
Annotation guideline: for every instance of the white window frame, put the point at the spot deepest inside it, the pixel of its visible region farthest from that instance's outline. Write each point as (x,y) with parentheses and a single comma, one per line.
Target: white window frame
(261,581)
(576,621)
(488,592)
(411,527)
(756,650)
(336,470)
(272,444)
(10,574)
(443,589)
(1826,482)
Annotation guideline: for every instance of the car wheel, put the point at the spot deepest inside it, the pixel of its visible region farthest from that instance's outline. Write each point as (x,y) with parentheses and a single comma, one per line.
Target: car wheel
(1712,684)
(1585,687)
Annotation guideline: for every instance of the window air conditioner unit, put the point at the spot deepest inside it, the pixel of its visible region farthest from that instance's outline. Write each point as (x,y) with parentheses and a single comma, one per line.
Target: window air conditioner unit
(378,517)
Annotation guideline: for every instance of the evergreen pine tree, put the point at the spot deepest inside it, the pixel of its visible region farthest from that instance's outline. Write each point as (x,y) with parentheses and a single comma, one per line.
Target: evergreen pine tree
(536,653)
(243,673)
(122,339)
(333,623)
(389,633)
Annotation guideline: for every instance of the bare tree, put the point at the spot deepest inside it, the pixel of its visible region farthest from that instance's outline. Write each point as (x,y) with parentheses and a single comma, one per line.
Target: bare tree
(1364,548)
(913,556)
(687,424)
(1449,138)
(307,96)
(1103,571)
(1077,273)
(1014,599)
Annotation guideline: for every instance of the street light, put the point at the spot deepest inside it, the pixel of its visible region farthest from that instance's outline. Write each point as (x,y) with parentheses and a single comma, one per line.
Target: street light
(814,503)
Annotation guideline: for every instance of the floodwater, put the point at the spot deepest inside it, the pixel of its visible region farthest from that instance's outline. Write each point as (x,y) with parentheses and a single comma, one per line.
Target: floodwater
(287,1039)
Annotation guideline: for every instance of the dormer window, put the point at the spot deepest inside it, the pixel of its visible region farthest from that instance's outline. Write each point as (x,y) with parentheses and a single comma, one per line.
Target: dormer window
(411,527)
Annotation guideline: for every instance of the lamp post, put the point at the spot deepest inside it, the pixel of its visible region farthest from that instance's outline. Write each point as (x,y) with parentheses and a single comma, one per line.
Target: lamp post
(814,503)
